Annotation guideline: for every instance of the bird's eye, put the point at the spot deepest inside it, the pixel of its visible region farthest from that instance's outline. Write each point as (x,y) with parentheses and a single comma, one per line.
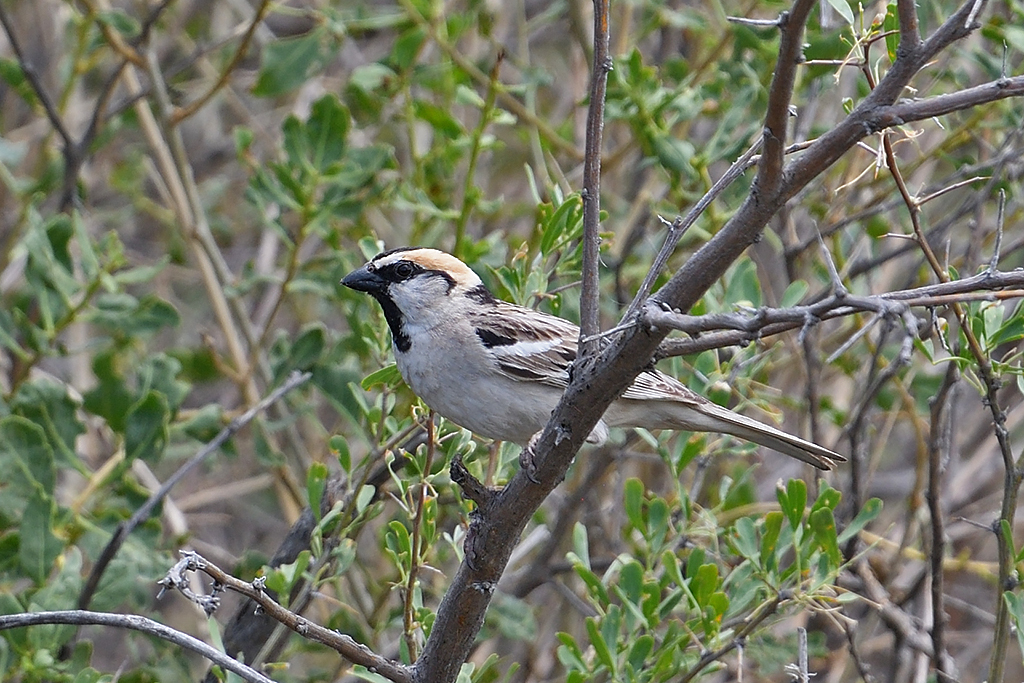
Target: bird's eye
(404,269)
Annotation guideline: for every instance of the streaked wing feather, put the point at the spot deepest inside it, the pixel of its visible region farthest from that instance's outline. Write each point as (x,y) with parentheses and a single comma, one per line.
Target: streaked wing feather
(545,346)
(654,385)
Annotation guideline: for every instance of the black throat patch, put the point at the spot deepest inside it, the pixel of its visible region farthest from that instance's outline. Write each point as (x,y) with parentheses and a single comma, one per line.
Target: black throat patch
(394,317)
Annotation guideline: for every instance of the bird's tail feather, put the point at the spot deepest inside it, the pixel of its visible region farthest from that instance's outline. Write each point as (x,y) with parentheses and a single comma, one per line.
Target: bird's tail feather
(747,428)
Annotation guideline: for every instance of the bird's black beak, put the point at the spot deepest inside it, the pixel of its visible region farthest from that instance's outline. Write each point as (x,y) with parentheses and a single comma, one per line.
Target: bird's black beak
(364,280)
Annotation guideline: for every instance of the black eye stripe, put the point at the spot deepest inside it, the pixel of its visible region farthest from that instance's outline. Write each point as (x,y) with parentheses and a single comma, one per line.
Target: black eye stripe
(403,271)
(399,271)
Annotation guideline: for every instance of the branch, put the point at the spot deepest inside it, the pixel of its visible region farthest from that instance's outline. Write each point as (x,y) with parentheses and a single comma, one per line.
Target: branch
(346,646)
(182,113)
(728,329)
(780,94)
(938,454)
(910,36)
(590,306)
(918,110)
(135,623)
(828,148)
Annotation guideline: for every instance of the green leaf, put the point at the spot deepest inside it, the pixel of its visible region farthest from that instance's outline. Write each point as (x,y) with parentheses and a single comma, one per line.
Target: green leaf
(823,525)
(123,315)
(308,348)
(159,373)
(1016,608)
(398,539)
(744,288)
(794,294)
(283,577)
(597,641)
(793,500)
(633,501)
(673,153)
(316,482)
(39,547)
(770,538)
(658,514)
(638,653)
(339,445)
(569,653)
(843,8)
(49,405)
(580,544)
(386,376)
(891,25)
(596,588)
(146,428)
(286,64)
(439,118)
(705,583)
(12,74)
(631,580)
(364,497)
(26,463)
(745,538)
(871,509)
(370,77)
(407,46)
(326,131)
(564,224)
(828,497)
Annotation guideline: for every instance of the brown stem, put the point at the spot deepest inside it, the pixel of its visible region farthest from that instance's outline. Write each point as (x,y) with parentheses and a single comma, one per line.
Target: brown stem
(590,307)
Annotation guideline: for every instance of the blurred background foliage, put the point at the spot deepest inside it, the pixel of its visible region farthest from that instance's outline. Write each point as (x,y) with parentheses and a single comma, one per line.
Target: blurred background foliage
(183,185)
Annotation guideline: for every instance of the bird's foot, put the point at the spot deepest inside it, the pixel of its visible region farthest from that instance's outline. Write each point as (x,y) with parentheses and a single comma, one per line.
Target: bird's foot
(526,459)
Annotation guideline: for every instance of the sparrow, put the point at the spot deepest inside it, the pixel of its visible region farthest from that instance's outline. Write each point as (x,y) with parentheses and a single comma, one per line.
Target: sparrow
(499,369)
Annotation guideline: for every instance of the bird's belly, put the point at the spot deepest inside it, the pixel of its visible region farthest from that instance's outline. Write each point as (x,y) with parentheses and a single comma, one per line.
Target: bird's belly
(487,404)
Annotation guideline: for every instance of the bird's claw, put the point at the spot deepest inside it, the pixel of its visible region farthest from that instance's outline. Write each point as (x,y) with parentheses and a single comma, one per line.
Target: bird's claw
(526,460)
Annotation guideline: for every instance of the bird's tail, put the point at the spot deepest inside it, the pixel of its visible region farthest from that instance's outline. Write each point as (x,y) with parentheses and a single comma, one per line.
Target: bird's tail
(749,429)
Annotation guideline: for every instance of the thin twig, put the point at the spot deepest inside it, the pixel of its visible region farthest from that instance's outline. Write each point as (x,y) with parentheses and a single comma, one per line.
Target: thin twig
(344,645)
(182,113)
(590,306)
(748,625)
(938,453)
(134,623)
(1000,217)
(679,226)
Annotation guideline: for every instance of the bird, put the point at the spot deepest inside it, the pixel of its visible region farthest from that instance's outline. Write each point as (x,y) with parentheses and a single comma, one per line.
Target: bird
(499,369)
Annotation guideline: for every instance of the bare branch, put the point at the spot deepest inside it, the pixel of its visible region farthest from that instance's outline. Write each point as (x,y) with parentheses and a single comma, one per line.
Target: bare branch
(134,623)
(910,36)
(590,309)
(182,113)
(780,95)
(938,454)
(727,329)
(344,645)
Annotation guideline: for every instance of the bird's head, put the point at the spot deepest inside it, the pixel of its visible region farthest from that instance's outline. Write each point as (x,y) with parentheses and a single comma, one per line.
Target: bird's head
(416,287)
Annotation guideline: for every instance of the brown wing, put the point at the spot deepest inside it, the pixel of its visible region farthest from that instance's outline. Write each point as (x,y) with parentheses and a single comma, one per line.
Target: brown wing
(528,345)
